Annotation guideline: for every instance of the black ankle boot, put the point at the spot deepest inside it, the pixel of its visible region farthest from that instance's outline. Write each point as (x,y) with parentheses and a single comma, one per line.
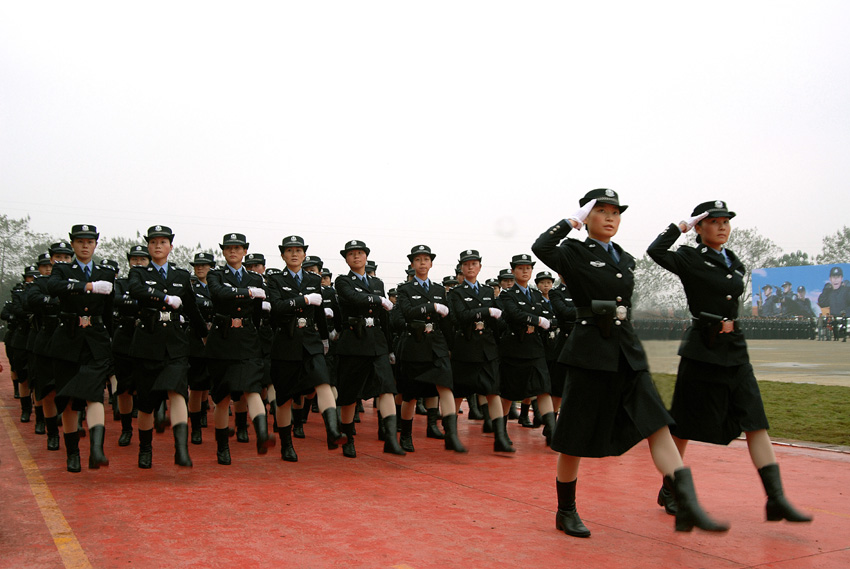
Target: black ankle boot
(17,390)
(433,431)
(382,436)
(126,430)
(181,444)
(512,411)
(334,435)
(406,437)
(391,445)
(665,496)
(72,450)
(567,519)
(501,443)
(222,441)
(689,513)
(488,422)
(197,433)
(297,424)
(475,413)
(26,408)
(523,419)
(357,413)
(242,427)
(159,418)
(287,451)
(261,429)
(145,448)
(778,507)
(205,407)
(96,456)
(538,417)
(549,420)
(39,420)
(420,407)
(52,425)
(451,441)
(348,449)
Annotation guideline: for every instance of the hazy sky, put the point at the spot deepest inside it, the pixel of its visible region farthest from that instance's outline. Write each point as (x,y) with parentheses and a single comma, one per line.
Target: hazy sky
(455,124)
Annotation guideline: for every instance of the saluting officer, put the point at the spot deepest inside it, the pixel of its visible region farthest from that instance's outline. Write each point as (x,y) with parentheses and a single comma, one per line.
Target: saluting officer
(126,315)
(363,357)
(160,345)
(199,375)
(475,355)
(234,353)
(300,344)
(424,352)
(80,346)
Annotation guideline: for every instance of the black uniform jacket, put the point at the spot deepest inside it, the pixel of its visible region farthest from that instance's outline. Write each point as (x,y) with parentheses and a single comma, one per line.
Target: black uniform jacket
(155,339)
(21,315)
(357,303)
(68,282)
(288,308)
(416,305)
(591,274)
(45,309)
(205,306)
(475,329)
(125,313)
(329,300)
(231,300)
(711,287)
(522,337)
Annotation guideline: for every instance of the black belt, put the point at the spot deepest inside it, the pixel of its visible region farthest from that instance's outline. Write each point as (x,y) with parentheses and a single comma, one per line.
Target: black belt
(604,308)
(77,320)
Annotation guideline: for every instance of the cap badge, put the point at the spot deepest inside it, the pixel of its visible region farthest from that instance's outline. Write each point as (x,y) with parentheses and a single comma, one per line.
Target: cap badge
(525,257)
(233,236)
(421,247)
(62,244)
(293,238)
(158,228)
(469,251)
(609,193)
(85,228)
(138,247)
(354,242)
(718,203)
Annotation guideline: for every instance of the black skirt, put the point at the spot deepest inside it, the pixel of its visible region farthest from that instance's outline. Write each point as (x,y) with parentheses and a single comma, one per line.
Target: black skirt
(419,379)
(475,377)
(607,413)
(714,404)
(124,373)
(523,378)
(155,378)
(558,377)
(294,378)
(234,377)
(199,375)
(80,381)
(363,377)
(42,379)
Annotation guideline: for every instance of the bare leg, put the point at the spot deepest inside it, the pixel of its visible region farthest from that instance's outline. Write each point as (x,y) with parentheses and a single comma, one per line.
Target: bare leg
(69,419)
(665,455)
(494,406)
(220,416)
(761,450)
(568,467)
(94,413)
(682,445)
(195,400)
(125,403)
(145,421)
(284,414)
(255,405)
(544,403)
(347,413)
(177,407)
(447,400)
(325,397)
(408,410)
(49,404)
(386,405)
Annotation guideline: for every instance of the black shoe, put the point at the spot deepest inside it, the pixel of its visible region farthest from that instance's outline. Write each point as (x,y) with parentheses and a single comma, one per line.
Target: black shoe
(381,435)
(181,444)
(26,408)
(689,513)
(433,431)
(287,451)
(570,523)
(391,445)
(261,429)
(665,496)
(52,433)
(242,427)
(512,412)
(335,437)
(406,437)
(451,441)
(356,415)
(197,436)
(778,507)
(159,418)
(16,388)
(488,422)
(297,424)
(96,456)
(475,413)
(501,443)
(126,430)
(420,407)
(222,439)
(348,449)
(358,407)
(40,427)
(535,408)
(72,450)
(523,419)
(145,448)
(549,431)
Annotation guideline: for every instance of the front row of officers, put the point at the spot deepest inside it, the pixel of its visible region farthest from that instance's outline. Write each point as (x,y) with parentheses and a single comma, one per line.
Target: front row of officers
(243,335)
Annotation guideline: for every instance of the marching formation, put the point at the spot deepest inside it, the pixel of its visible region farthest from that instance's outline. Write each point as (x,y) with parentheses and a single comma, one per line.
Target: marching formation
(259,342)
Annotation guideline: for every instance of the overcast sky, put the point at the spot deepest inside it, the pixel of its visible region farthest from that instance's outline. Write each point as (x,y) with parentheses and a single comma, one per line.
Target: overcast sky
(455,124)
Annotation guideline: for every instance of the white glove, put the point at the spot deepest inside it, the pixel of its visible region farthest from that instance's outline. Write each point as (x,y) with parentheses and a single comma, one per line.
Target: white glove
(313,298)
(441,309)
(544,323)
(267,306)
(385,302)
(256,292)
(392,358)
(333,335)
(329,312)
(326,345)
(174,302)
(182,320)
(101,287)
(495,313)
(582,213)
(689,222)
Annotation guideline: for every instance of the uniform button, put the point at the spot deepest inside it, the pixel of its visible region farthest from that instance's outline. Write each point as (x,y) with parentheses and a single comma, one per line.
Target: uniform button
(728,297)
(617,322)
(619,275)
(238,310)
(728,276)
(86,309)
(583,322)
(619,299)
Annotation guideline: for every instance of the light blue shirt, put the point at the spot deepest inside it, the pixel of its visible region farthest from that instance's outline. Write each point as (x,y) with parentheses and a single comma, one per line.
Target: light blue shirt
(425,284)
(609,248)
(157,268)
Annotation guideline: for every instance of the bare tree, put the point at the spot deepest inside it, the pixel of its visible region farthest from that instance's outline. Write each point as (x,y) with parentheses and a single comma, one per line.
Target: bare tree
(756,252)
(836,247)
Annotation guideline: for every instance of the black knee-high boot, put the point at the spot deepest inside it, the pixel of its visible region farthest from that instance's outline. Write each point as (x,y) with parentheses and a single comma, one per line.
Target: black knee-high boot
(39,420)
(488,422)
(538,418)
(159,418)
(222,441)
(181,444)
(433,431)
(523,420)
(197,431)
(778,507)
(126,430)
(382,436)
(145,448)
(567,519)
(261,429)
(689,513)
(549,420)
(452,442)
(26,408)
(501,443)
(287,450)
(332,432)
(72,450)
(391,445)
(52,426)
(242,427)
(96,456)
(475,413)
(406,437)
(348,449)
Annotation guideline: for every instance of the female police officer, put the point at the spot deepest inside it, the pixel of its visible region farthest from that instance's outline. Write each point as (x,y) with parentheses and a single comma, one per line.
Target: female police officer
(716,395)
(610,403)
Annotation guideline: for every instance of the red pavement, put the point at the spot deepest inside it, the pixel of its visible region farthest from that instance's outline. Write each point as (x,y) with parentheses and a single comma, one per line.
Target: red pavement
(431,508)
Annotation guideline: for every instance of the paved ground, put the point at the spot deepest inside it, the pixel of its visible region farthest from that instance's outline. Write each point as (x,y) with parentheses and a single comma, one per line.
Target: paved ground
(795,361)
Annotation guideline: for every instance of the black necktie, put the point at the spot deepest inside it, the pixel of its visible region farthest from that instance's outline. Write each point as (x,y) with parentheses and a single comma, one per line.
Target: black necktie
(425,286)
(528,294)
(298,280)
(239,276)
(162,273)
(366,281)
(87,272)
(613,253)
(475,288)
